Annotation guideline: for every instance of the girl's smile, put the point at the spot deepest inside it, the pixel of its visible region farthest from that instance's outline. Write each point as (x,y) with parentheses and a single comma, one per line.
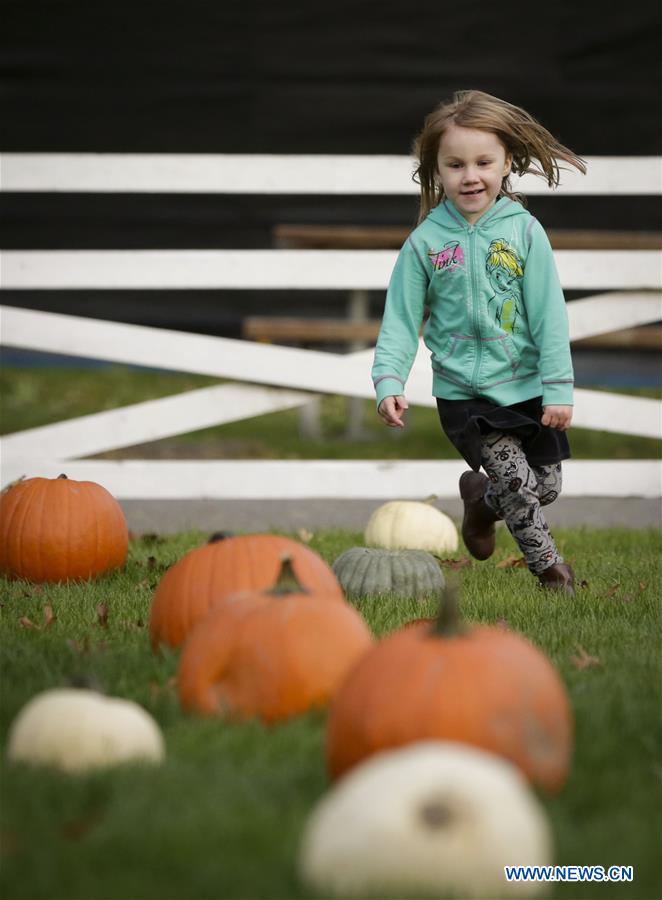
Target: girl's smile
(471,165)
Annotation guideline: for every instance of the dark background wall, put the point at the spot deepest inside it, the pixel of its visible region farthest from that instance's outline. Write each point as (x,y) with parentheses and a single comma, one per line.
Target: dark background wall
(303,76)
(297,76)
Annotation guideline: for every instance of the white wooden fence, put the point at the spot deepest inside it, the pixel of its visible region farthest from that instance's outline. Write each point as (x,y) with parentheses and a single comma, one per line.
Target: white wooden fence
(207,173)
(627,286)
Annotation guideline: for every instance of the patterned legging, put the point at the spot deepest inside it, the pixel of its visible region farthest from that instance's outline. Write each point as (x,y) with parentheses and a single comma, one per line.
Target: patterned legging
(516,493)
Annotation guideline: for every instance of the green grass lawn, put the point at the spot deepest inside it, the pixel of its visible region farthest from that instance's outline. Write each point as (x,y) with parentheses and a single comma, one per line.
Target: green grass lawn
(39,396)
(223,816)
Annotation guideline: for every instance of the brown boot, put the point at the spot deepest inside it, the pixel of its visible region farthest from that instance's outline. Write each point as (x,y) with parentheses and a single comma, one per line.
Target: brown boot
(558,577)
(478,523)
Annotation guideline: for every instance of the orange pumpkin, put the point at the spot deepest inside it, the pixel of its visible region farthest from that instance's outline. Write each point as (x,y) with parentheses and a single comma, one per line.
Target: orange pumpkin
(270,654)
(481,685)
(207,574)
(59,529)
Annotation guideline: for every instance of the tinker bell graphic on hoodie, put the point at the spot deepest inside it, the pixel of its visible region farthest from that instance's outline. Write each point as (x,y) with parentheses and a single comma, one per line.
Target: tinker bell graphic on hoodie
(503,267)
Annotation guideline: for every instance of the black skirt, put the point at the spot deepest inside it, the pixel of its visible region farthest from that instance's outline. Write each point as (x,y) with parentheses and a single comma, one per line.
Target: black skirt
(464,421)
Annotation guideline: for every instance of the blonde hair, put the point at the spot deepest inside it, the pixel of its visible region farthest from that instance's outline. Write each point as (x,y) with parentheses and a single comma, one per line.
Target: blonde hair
(501,255)
(523,137)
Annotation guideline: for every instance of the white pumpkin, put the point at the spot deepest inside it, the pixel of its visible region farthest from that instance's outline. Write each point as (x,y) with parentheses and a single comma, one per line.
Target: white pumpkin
(434,817)
(75,729)
(411,525)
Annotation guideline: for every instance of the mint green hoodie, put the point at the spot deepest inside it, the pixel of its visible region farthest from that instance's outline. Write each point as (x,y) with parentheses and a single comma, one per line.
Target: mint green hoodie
(497,325)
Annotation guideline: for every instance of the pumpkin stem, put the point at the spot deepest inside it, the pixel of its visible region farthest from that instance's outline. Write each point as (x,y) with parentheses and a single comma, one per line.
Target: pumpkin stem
(219,536)
(449,622)
(287,581)
(436,815)
(62,476)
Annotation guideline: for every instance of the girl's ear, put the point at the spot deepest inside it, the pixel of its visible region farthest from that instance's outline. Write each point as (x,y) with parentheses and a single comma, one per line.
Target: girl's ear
(508,164)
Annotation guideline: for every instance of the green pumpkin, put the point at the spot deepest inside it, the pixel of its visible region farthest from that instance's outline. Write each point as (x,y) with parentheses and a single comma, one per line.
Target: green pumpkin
(370,572)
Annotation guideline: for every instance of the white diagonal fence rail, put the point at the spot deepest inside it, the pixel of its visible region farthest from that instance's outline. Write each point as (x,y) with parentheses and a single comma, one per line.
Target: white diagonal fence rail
(279,377)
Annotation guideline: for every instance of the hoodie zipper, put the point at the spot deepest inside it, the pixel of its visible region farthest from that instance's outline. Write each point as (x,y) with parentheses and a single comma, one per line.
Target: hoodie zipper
(475,312)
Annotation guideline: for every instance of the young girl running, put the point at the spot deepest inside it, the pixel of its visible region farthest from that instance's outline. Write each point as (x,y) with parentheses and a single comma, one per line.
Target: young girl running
(497,329)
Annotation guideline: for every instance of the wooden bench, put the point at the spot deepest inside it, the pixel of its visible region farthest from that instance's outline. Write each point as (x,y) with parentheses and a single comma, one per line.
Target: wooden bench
(358,328)
(306,330)
(303,330)
(390,237)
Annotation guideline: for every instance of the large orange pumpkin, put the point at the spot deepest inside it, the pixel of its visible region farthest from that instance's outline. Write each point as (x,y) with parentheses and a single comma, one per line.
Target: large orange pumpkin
(270,654)
(207,574)
(482,685)
(59,529)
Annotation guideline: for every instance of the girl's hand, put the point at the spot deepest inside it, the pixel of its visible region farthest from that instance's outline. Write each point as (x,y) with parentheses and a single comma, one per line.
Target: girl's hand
(391,410)
(558,417)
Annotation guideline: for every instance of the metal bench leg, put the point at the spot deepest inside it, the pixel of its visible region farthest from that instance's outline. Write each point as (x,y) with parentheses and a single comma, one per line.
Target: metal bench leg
(358,310)
(310,422)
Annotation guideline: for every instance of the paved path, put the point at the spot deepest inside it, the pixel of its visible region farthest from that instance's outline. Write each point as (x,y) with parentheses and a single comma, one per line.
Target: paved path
(168,516)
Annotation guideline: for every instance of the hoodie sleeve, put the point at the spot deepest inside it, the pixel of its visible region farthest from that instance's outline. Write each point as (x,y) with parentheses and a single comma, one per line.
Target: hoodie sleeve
(548,320)
(397,343)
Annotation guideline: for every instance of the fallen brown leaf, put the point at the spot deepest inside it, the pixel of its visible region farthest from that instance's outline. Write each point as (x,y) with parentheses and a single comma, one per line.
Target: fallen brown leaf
(425,621)
(9,844)
(12,484)
(102,615)
(24,622)
(156,688)
(512,562)
(455,564)
(78,828)
(86,646)
(584,660)
(613,589)
(49,616)
(138,625)
(78,646)
(642,586)
(305,535)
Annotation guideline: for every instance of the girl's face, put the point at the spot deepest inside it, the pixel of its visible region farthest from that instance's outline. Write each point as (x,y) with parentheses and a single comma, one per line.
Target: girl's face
(471,165)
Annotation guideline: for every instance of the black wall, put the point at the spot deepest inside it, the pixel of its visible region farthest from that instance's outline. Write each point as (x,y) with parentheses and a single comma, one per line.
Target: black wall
(304,76)
(298,76)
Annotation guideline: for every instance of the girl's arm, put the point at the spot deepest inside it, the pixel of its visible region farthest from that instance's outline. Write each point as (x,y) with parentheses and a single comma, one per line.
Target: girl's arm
(548,322)
(397,343)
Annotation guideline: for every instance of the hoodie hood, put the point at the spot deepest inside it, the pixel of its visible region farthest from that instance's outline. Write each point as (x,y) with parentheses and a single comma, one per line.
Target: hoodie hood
(447,215)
